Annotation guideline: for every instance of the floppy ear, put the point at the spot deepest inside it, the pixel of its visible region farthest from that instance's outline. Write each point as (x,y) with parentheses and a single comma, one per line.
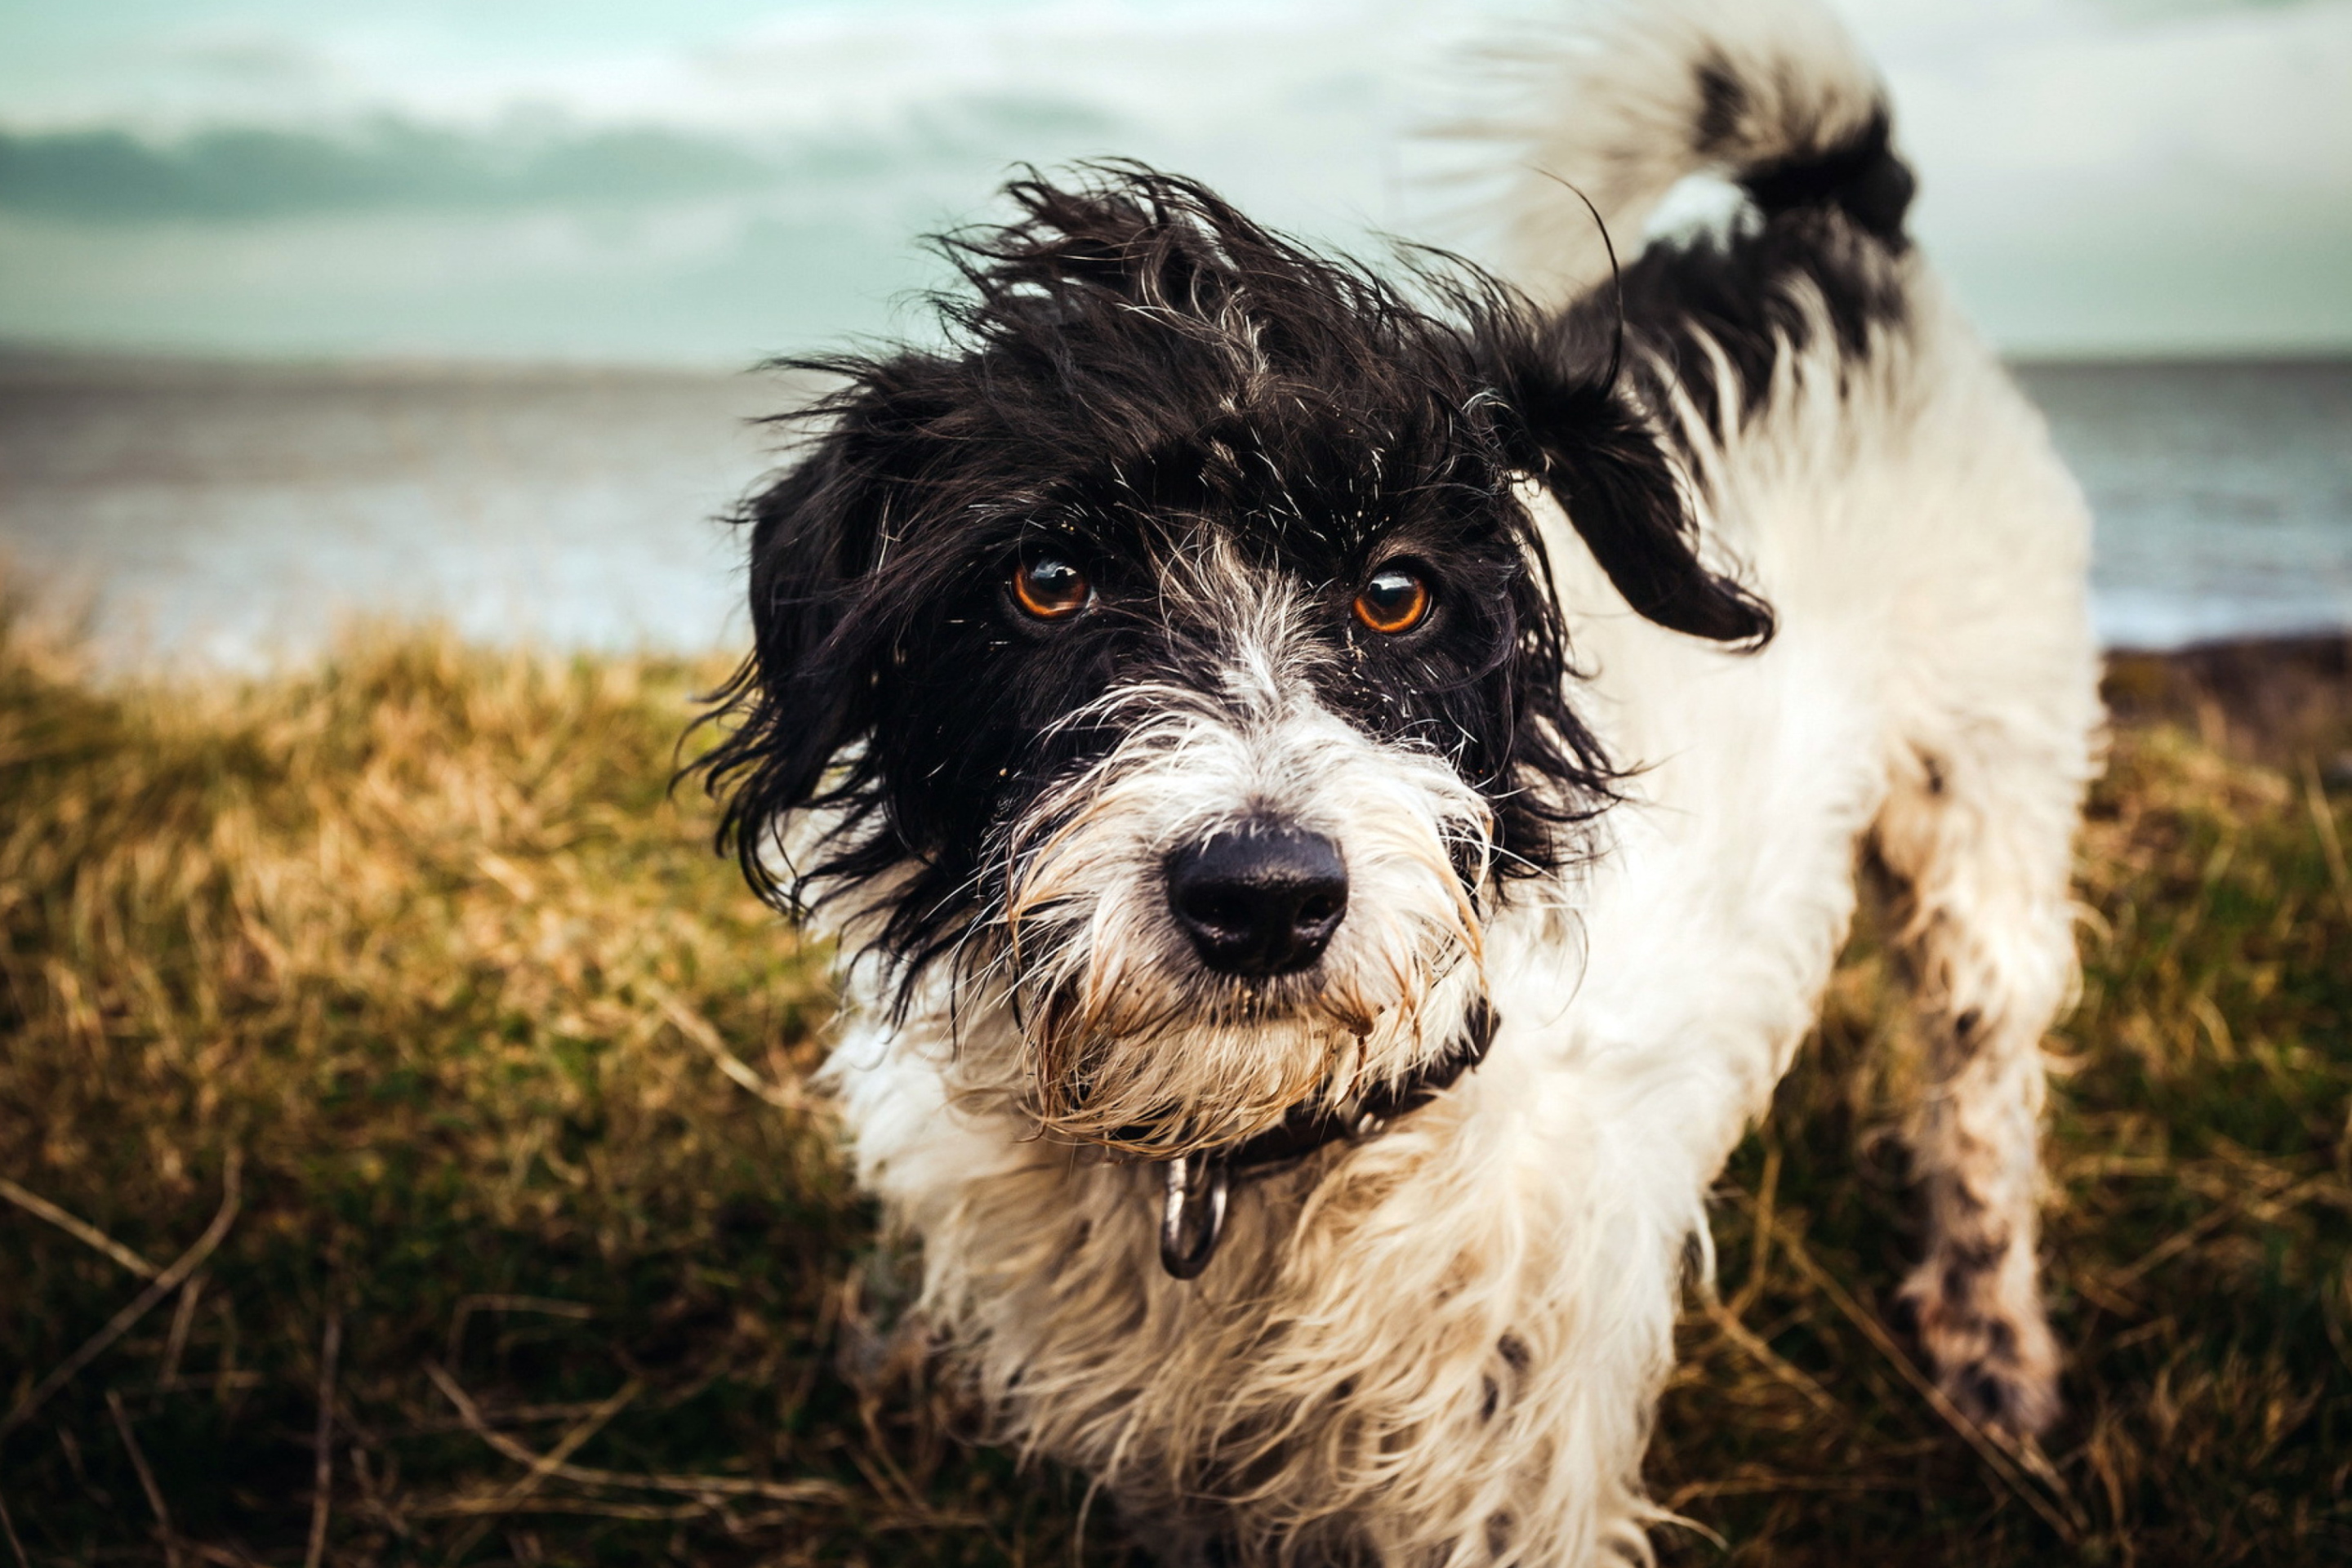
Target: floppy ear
(1604,463)
(809,545)
(806,691)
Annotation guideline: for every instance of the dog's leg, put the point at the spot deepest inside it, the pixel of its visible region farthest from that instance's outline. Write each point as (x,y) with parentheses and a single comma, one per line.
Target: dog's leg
(1978,835)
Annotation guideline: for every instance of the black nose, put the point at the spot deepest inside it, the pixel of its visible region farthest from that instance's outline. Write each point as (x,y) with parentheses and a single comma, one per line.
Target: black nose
(1261,900)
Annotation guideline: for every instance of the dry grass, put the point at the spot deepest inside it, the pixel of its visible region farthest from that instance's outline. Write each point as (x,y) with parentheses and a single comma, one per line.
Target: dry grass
(407,986)
(2200,1240)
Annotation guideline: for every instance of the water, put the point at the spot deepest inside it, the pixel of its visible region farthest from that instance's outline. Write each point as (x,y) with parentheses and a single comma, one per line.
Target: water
(240,518)
(235,518)
(2223,494)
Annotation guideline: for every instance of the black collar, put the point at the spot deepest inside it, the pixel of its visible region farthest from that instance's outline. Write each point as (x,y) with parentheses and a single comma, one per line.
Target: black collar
(1192,1216)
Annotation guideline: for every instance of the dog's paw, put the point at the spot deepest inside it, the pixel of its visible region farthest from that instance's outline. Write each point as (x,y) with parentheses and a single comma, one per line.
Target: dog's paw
(1990,1343)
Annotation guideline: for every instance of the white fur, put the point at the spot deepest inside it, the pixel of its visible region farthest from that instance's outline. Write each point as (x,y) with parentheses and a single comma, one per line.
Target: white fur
(1442,1345)
(1107,988)
(1606,104)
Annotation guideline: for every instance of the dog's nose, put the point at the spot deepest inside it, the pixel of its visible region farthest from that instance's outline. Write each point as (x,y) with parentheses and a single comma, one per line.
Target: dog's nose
(1263,900)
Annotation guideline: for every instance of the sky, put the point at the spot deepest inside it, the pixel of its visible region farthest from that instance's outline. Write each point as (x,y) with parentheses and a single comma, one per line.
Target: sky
(710,182)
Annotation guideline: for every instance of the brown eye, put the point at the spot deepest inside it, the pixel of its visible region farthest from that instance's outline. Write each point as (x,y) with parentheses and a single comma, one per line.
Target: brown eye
(1394,601)
(1050,588)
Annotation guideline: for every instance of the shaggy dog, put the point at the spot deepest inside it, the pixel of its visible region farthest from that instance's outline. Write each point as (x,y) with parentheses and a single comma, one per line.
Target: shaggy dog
(1338,794)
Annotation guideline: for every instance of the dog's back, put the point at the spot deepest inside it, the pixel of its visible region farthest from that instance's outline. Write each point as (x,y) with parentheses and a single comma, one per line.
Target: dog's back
(1929,701)
(1858,455)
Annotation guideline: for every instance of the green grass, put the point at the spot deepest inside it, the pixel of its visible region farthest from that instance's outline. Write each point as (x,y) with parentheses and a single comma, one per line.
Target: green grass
(419,953)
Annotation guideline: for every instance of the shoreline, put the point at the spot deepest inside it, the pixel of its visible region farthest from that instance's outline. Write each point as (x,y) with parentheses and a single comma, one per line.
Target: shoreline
(2272,699)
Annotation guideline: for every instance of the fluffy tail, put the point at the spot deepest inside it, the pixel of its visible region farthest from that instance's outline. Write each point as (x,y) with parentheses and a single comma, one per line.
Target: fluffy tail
(1773,94)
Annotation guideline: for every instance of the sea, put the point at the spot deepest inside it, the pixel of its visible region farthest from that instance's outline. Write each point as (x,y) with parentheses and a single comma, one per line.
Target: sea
(187,515)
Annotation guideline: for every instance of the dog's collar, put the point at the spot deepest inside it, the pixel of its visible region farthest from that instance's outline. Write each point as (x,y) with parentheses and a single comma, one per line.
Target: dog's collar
(1195,1186)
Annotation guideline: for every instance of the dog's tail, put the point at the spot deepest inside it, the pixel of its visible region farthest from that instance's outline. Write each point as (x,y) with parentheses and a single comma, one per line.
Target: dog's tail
(1632,95)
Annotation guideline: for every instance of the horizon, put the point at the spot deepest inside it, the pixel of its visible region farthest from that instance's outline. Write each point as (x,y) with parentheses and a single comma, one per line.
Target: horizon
(19,357)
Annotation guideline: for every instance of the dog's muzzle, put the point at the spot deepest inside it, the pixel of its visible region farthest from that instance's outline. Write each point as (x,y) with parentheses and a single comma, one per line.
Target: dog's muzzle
(1195,1188)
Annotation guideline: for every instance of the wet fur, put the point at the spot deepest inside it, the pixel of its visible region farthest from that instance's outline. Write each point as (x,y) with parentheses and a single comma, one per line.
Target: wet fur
(1599,793)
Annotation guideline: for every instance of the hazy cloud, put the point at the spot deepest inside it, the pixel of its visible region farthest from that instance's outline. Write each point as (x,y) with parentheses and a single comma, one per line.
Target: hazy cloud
(713,178)
(230,174)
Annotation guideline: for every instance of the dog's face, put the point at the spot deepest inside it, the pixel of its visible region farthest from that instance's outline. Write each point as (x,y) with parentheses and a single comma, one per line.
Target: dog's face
(1173,658)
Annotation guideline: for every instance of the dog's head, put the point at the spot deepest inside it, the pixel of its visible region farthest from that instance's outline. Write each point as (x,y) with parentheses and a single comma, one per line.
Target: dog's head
(1172,657)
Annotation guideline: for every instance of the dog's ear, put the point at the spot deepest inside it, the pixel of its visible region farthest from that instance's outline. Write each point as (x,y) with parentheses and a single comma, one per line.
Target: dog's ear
(807,689)
(1602,462)
(810,533)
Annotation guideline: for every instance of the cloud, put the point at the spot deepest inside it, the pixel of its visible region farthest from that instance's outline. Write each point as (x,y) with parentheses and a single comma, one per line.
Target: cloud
(234,174)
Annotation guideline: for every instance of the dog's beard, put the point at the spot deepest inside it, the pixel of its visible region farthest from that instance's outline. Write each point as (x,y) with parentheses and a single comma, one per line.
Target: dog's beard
(1129,1041)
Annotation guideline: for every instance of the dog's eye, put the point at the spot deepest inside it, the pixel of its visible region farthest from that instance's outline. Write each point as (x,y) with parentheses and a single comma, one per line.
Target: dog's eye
(1394,601)
(1050,588)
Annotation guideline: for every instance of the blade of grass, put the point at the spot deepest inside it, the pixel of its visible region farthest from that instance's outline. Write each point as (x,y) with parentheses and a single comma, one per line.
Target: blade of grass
(1740,1334)
(171,1279)
(2323,821)
(175,1342)
(546,1464)
(469,1305)
(807,1491)
(322,1466)
(2253,1206)
(697,1029)
(466,1507)
(1999,1462)
(8,1528)
(163,1532)
(79,1229)
(1760,1246)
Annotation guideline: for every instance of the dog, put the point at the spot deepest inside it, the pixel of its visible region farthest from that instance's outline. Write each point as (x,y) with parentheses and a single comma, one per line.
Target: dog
(1338,791)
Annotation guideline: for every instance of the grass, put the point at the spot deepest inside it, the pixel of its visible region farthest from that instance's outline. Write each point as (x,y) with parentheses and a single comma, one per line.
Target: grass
(389,1068)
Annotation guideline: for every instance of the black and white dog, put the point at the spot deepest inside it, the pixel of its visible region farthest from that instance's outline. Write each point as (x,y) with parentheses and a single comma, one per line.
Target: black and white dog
(1339,793)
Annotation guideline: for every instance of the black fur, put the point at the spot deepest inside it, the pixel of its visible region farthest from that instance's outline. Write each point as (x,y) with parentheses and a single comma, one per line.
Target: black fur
(1723,105)
(1136,366)
(1826,225)
(1861,178)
